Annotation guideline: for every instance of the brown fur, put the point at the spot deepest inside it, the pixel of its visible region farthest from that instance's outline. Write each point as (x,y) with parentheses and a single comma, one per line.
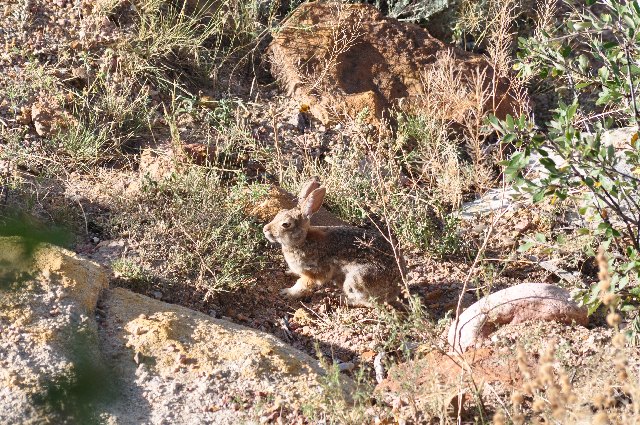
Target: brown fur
(318,254)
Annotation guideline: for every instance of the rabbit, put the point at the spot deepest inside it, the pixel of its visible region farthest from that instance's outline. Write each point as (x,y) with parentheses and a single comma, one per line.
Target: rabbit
(362,259)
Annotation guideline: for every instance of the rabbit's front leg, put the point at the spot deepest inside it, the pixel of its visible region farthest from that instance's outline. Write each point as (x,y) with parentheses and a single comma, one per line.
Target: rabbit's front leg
(304,285)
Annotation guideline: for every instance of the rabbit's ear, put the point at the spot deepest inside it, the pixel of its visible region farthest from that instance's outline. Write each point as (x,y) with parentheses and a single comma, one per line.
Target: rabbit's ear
(307,188)
(312,204)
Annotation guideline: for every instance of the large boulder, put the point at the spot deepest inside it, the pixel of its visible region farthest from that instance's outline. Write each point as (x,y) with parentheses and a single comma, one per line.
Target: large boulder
(517,304)
(342,59)
(48,334)
(74,351)
(185,364)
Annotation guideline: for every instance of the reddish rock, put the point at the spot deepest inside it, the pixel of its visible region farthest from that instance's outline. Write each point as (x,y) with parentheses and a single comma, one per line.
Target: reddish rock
(520,303)
(343,59)
(483,365)
(42,117)
(198,153)
(279,199)
(453,377)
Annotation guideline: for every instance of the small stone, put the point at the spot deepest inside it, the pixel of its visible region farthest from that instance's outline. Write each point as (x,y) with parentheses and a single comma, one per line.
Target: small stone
(368,356)
(80,72)
(24,117)
(346,367)
(267,419)
(157,295)
(176,387)
(95,239)
(522,226)
(479,229)
(184,360)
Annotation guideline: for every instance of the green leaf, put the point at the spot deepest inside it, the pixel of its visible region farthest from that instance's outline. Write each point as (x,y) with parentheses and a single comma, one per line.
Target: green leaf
(517,162)
(629,21)
(549,164)
(540,237)
(509,138)
(579,26)
(586,84)
(538,196)
(611,153)
(623,282)
(495,123)
(571,111)
(526,246)
(509,121)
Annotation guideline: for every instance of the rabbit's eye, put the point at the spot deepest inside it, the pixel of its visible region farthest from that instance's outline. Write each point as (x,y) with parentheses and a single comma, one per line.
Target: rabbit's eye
(286,225)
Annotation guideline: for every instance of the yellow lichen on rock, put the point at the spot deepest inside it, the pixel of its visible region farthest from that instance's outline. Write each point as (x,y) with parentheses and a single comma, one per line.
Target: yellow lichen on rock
(174,339)
(82,280)
(34,268)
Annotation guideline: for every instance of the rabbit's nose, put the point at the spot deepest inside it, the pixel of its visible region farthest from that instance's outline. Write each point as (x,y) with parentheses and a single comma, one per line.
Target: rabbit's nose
(268,234)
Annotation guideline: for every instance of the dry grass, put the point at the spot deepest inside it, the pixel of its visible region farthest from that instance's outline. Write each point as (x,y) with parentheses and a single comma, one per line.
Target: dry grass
(548,394)
(194,225)
(190,227)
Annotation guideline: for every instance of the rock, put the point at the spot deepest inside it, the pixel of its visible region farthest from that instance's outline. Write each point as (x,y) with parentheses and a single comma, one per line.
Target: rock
(241,358)
(302,317)
(198,153)
(145,361)
(41,117)
(80,73)
(520,303)
(24,117)
(346,367)
(497,199)
(507,198)
(344,59)
(48,333)
(452,377)
(368,356)
(156,164)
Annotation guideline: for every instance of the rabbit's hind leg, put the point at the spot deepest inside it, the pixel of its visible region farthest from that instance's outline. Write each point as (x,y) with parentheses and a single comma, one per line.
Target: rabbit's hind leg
(355,287)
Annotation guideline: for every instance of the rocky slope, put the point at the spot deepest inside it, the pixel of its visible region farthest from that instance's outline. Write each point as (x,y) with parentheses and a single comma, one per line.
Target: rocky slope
(74,351)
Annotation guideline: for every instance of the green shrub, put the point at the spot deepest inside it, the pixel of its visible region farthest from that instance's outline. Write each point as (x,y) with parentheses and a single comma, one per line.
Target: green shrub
(592,55)
(197,228)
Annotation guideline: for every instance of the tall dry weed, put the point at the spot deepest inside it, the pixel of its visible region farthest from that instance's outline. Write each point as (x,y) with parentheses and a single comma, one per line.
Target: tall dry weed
(549,395)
